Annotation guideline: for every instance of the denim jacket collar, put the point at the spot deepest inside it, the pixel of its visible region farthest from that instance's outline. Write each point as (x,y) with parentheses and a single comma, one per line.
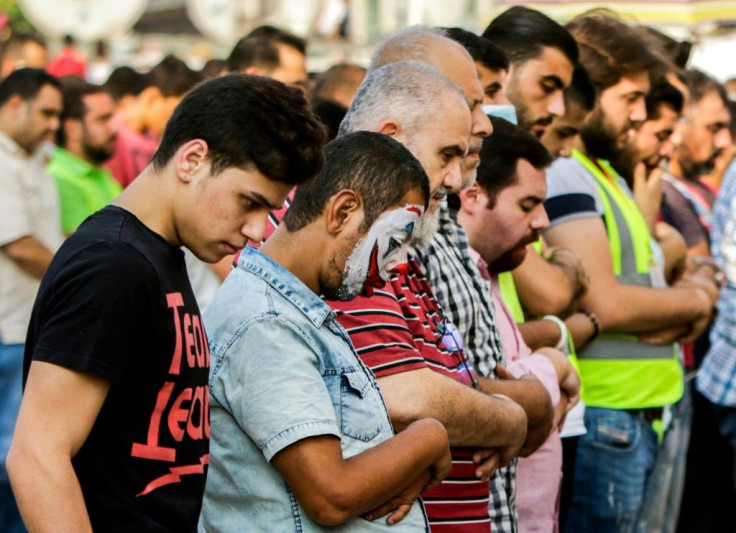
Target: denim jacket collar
(286,284)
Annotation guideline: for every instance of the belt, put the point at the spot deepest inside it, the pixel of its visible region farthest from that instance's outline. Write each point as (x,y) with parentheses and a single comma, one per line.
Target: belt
(648,414)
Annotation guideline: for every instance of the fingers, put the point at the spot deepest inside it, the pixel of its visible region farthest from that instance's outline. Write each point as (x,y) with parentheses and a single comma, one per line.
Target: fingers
(399,514)
(503,373)
(488,467)
(640,175)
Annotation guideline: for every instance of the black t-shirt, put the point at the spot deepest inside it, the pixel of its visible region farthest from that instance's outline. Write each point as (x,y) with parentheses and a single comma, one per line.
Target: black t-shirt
(116,302)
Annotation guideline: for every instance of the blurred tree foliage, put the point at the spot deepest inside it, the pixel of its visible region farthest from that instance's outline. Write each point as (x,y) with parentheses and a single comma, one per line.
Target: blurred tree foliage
(16,20)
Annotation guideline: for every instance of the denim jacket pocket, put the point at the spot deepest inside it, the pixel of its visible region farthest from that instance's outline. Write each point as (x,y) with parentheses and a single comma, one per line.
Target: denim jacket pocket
(360,406)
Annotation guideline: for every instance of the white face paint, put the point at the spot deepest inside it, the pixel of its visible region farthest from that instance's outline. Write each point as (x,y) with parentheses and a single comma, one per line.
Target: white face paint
(380,252)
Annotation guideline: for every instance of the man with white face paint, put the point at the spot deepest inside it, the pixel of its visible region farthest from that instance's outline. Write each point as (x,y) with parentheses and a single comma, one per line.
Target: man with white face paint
(299,428)
(401,332)
(379,253)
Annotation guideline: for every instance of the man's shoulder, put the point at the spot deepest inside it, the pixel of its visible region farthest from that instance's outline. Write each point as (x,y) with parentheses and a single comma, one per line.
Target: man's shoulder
(98,244)
(572,192)
(567,175)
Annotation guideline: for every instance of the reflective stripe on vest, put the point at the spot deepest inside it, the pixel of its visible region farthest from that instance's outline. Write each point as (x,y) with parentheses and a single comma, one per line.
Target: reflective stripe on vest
(620,372)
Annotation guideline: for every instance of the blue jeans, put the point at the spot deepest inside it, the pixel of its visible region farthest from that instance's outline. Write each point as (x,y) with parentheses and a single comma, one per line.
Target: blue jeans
(614,461)
(11,376)
(661,506)
(726,419)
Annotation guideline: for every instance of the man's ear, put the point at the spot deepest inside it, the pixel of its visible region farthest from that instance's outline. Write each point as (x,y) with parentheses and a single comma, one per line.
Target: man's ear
(191,159)
(149,95)
(389,127)
(15,103)
(342,211)
(470,198)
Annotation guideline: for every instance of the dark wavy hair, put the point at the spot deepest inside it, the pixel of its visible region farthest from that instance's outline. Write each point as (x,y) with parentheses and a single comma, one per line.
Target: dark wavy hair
(248,120)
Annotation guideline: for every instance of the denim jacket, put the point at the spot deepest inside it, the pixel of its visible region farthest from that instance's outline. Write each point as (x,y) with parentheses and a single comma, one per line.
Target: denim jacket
(282,370)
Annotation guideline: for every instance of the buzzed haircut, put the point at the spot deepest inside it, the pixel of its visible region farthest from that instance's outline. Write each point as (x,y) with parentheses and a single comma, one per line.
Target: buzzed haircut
(581,91)
(341,77)
(700,85)
(501,153)
(26,83)
(407,44)
(14,44)
(248,121)
(610,49)
(663,92)
(481,50)
(73,91)
(172,77)
(381,170)
(124,81)
(522,33)
(260,48)
(405,91)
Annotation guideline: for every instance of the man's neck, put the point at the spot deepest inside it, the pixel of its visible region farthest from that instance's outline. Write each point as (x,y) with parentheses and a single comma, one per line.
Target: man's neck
(76,152)
(148,198)
(298,252)
(674,168)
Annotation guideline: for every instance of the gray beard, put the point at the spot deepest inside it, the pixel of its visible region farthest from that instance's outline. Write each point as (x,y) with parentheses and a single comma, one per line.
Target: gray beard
(426,228)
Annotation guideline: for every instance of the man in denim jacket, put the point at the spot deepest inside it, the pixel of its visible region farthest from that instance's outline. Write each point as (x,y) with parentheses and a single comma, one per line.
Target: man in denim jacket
(301,438)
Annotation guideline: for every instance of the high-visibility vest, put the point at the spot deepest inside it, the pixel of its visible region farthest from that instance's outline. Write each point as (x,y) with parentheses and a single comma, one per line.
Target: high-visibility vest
(618,371)
(510,297)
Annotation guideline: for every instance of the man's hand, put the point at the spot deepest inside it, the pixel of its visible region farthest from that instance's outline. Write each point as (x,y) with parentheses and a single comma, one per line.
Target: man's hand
(489,460)
(570,263)
(400,505)
(648,193)
(665,336)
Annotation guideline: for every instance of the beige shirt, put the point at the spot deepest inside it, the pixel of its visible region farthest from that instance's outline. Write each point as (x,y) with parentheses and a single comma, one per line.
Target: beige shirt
(29,206)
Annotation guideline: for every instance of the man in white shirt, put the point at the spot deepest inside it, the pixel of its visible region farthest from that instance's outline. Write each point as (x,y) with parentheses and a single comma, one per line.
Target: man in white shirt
(30,233)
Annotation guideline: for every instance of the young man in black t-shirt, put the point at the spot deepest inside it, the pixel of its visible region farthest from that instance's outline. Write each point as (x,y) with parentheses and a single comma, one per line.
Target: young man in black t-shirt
(113,433)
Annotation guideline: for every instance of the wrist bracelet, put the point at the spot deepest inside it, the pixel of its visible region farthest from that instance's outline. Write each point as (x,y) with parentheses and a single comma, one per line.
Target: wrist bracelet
(593,320)
(562,345)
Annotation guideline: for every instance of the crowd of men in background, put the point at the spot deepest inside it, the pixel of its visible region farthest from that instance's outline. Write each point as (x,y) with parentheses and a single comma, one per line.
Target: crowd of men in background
(519,316)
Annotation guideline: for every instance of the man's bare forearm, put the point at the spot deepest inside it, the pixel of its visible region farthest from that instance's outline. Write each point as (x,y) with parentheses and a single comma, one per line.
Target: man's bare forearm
(29,255)
(472,418)
(47,491)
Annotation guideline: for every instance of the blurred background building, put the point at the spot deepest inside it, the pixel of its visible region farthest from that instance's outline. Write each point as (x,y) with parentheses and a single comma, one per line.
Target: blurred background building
(140,32)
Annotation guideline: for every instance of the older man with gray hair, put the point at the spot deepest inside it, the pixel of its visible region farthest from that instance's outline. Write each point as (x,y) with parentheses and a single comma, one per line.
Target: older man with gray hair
(455,281)
(402,333)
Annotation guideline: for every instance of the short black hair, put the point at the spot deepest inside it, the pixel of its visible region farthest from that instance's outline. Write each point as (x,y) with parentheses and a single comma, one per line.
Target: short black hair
(259,48)
(248,120)
(501,153)
(380,169)
(700,84)
(481,50)
(581,91)
(663,92)
(213,68)
(124,81)
(522,33)
(330,113)
(172,77)
(26,83)
(73,91)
